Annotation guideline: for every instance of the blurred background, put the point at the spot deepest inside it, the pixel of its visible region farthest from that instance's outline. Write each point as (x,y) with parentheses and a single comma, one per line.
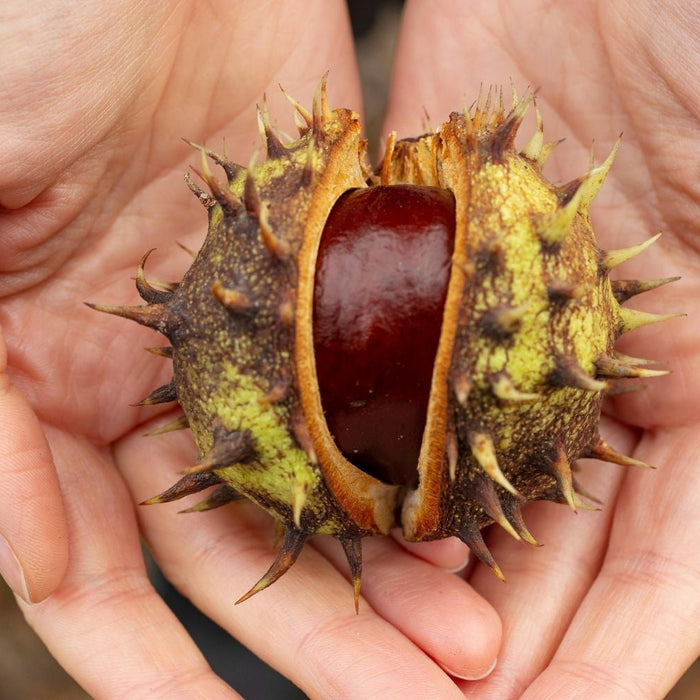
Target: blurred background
(28,672)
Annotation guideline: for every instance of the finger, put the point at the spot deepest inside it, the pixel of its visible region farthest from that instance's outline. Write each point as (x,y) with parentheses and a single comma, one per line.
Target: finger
(637,629)
(305,625)
(447,51)
(105,624)
(33,537)
(423,79)
(450,554)
(437,610)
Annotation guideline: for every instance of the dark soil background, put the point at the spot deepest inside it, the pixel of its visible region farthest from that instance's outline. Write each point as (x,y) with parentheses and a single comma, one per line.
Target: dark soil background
(28,672)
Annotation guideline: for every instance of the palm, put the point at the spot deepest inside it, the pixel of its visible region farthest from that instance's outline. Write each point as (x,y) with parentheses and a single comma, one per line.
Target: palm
(127,195)
(585,60)
(90,207)
(103,201)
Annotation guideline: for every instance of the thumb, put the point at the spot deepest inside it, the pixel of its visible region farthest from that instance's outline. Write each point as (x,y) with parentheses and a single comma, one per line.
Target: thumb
(33,531)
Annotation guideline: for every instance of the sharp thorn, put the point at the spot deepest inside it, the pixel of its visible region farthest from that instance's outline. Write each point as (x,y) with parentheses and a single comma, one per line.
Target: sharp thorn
(352,546)
(560,469)
(155,316)
(503,387)
(547,151)
(582,505)
(616,389)
(232,299)
(278,247)
(568,373)
(600,449)
(232,170)
(533,149)
(187,485)
(485,454)
(152,292)
(187,250)
(461,386)
(487,104)
(616,368)
(504,136)
(512,510)
(635,361)
(299,494)
(632,319)
(223,195)
(475,107)
(472,537)
(207,200)
(161,351)
(612,258)
(301,126)
(273,145)
(299,109)
(626,289)
(204,151)
(452,453)
(560,292)
(292,545)
(221,496)
(554,228)
(428,126)
(303,436)
(487,498)
(593,181)
(514,92)
(591,155)
(229,448)
(387,161)
(180,423)
(168,287)
(500,323)
(261,124)
(251,198)
(163,394)
(320,112)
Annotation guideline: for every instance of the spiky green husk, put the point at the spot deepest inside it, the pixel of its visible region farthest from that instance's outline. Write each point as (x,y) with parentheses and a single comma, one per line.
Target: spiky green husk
(524,358)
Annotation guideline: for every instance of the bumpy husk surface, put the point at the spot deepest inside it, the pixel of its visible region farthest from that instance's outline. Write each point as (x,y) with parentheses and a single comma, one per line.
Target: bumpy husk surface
(525,355)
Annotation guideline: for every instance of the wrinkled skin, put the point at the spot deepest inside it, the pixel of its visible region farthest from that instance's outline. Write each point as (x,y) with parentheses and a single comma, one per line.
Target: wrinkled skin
(93,107)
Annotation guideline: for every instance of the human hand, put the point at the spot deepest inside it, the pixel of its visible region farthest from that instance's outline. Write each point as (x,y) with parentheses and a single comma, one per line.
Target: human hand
(95,101)
(609,605)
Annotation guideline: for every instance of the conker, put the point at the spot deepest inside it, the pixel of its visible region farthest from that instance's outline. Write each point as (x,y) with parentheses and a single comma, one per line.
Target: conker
(381,280)
(424,345)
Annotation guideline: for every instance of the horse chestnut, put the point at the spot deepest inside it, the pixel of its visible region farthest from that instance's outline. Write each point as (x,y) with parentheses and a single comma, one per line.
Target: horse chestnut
(381,281)
(426,345)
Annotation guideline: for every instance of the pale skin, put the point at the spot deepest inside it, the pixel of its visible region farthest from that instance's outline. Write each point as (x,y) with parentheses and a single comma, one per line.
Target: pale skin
(92,111)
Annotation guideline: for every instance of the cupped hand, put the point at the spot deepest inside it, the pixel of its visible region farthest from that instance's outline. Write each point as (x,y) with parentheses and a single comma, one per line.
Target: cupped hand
(608,607)
(94,105)
(95,101)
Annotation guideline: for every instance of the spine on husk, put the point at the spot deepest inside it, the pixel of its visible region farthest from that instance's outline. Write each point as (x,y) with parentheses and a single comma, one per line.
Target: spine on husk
(529,325)
(525,353)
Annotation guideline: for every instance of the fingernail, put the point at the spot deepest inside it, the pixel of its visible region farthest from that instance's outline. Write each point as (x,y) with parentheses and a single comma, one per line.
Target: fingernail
(11,571)
(461,567)
(478,677)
